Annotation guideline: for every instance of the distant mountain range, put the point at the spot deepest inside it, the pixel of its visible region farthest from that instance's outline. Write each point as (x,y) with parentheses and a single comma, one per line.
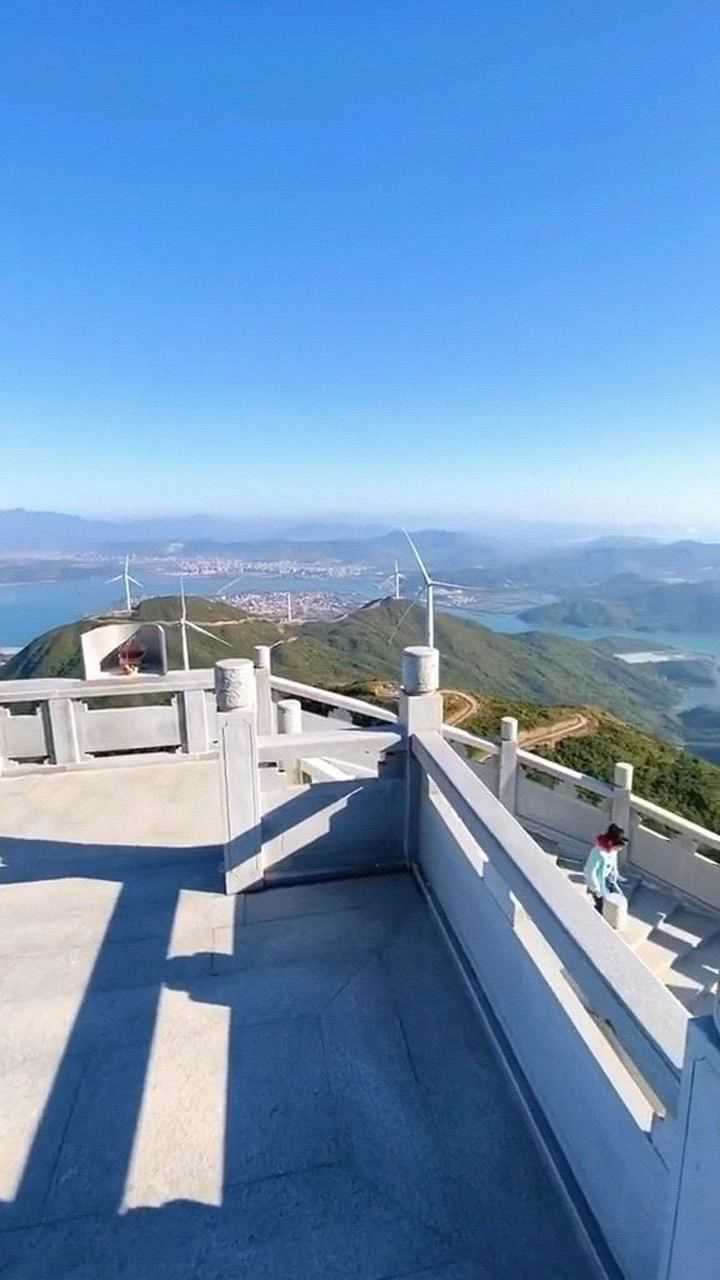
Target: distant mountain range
(629,601)
(368,643)
(200,535)
(22,530)
(596,562)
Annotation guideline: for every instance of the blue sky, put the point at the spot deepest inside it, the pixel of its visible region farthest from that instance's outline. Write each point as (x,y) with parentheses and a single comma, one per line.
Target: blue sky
(385,258)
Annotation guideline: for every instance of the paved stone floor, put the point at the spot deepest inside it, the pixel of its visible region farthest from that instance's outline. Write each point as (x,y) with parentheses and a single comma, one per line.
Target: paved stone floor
(293,1084)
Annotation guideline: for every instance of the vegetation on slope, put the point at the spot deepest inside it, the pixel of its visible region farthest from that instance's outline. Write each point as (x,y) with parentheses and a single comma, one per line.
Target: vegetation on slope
(628,601)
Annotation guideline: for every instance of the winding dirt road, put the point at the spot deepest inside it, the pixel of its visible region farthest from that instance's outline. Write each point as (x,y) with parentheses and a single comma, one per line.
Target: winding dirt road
(549,735)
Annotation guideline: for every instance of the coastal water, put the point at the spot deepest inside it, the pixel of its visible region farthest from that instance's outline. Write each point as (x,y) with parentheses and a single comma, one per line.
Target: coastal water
(26,610)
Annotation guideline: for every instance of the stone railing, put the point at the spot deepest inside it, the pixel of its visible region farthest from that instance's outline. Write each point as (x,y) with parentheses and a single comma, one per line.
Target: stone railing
(57,723)
(49,722)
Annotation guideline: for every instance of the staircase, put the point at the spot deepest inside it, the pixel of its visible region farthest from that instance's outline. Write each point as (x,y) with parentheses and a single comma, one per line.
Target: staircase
(677,942)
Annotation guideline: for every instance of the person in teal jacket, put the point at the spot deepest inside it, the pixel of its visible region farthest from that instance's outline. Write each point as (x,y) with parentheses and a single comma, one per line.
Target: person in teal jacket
(601,868)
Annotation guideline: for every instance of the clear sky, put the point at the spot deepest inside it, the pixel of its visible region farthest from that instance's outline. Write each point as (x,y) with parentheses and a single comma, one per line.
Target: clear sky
(375,256)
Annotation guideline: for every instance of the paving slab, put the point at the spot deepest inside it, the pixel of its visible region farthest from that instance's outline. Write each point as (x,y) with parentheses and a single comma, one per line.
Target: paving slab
(301,1090)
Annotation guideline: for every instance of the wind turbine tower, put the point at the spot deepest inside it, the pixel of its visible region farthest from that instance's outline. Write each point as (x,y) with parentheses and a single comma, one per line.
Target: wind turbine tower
(186,625)
(128,583)
(428,587)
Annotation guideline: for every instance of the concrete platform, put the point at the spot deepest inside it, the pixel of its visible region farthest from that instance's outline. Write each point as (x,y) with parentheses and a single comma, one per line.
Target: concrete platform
(288,1085)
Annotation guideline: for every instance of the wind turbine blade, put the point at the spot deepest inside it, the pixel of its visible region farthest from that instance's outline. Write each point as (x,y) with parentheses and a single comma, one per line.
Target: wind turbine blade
(134,581)
(417,556)
(407,611)
(452,586)
(221,590)
(194,627)
(119,578)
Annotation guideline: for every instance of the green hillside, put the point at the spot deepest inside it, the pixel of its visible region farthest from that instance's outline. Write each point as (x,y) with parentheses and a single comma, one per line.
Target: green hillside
(368,643)
(628,601)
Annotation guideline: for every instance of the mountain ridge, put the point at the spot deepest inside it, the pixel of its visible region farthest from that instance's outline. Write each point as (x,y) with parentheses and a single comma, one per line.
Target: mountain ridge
(368,642)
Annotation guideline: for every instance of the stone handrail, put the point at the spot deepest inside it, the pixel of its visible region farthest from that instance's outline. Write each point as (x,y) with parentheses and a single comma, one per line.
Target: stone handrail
(648,1022)
(665,817)
(35,691)
(272,748)
(294,689)
(465,739)
(562,773)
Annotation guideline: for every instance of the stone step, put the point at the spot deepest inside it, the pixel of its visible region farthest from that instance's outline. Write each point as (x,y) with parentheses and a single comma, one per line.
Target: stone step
(682,931)
(646,911)
(703,1004)
(684,988)
(701,965)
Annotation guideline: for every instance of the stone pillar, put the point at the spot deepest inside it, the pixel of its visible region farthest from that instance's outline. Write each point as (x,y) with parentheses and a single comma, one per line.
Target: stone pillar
(4,738)
(265,705)
(420,711)
(507,763)
(289,720)
(620,805)
(240,774)
(61,733)
(692,1246)
(194,732)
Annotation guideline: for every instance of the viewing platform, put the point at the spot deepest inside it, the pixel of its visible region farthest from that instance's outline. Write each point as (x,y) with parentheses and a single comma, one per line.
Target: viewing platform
(293,994)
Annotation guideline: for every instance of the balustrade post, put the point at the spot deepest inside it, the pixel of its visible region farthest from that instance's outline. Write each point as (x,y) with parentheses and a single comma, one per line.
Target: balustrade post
(61,735)
(692,1245)
(194,731)
(265,706)
(289,720)
(240,773)
(4,758)
(420,711)
(507,764)
(620,806)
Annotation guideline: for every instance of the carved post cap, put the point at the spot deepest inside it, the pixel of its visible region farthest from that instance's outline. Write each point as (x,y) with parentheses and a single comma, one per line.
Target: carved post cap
(235,684)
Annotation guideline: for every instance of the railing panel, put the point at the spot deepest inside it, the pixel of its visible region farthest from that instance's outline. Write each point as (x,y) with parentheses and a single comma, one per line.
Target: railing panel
(673,863)
(25,737)
(559,811)
(118,729)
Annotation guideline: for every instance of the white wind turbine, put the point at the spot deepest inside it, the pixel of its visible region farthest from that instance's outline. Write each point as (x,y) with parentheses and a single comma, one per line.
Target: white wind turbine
(223,590)
(127,582)
(396,577)
(186,625)
(428,587)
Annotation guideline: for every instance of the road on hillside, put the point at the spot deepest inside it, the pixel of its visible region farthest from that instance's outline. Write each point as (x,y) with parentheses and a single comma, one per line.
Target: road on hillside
(548,735)
(468,707)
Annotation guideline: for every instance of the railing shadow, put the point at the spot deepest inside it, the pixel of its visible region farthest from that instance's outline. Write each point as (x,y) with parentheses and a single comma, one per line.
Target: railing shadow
(82,978)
